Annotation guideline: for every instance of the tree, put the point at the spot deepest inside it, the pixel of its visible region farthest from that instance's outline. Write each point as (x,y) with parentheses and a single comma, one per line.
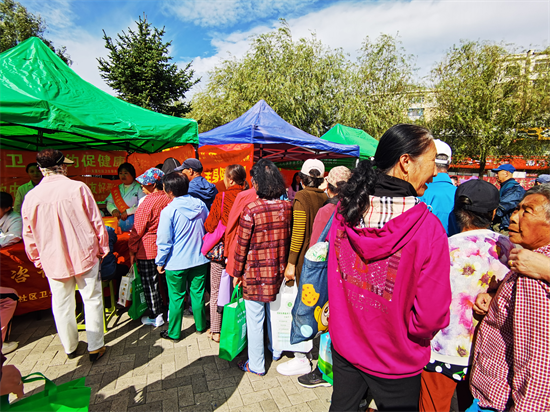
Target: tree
(17,25)
(484,94)
(380,86)
(302,80)
(138,68)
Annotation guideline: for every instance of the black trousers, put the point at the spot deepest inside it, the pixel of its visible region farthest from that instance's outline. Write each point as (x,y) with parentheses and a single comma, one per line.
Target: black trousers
(351,384)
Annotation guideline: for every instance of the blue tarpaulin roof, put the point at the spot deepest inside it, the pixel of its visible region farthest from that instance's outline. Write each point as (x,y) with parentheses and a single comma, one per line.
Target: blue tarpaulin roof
(274,138)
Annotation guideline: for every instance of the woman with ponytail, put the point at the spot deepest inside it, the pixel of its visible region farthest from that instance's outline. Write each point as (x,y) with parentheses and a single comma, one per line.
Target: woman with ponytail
(388,275)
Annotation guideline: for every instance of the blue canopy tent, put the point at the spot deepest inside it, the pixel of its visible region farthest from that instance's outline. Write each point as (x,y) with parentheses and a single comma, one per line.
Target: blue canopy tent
(273,138)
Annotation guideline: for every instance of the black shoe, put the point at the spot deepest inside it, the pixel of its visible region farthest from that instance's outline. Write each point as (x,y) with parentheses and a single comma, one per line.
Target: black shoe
(164,335)
(313,380)
(72,355)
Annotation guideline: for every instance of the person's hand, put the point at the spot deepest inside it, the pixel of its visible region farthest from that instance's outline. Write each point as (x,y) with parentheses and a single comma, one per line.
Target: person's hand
(530,264)
(481,305)
(160,269)
(237,282)
(290,272)
(124,215)
(132,258)
(116,213)
(11,381)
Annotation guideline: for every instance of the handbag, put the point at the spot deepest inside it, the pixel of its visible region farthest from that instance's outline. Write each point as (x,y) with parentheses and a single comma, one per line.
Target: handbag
(210,240)
(216,253)
(233,332)
(310,312)
(224,292)
(139,305)
(71,396)
(281,321)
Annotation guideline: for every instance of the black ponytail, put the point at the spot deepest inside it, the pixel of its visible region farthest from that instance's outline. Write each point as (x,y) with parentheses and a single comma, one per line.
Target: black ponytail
(354,196)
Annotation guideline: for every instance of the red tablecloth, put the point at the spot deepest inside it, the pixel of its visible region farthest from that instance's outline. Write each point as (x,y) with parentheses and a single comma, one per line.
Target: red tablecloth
(17,272)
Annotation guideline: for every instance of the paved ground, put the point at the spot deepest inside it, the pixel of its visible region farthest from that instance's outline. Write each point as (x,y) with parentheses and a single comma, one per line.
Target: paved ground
(142,372)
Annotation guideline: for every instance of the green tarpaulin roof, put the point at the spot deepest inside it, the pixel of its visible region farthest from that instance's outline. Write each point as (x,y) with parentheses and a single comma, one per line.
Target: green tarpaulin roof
(349,135)
(43,103)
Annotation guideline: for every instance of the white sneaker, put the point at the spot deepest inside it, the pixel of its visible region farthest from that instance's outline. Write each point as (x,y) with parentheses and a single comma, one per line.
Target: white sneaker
(296,366)
(8,347)
(156,322)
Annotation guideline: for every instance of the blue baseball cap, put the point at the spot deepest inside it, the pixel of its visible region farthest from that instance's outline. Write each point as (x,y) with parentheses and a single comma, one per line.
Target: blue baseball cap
(506,166)
(542,179)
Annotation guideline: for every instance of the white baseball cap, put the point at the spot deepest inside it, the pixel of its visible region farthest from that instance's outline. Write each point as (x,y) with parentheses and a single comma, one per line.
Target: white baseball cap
(443,149)
(313,164)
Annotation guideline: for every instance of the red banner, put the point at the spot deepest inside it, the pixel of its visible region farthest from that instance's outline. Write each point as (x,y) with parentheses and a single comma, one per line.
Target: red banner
(142,162)
(215,159)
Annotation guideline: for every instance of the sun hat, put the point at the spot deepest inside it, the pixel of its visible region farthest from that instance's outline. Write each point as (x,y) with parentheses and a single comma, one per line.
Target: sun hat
(59,159)
(338,174)
(150,176)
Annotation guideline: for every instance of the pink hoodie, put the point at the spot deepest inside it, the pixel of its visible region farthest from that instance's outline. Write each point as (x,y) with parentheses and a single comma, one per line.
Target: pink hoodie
(390,294)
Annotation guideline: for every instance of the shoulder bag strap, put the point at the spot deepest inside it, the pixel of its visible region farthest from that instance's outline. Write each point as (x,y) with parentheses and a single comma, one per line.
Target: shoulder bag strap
(324,233)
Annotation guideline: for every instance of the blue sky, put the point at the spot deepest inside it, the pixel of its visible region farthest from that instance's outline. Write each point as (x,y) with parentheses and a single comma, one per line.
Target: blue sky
(209,31)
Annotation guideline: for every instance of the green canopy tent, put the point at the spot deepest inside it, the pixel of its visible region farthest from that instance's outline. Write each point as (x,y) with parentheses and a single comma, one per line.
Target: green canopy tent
(43,103)
(348,135)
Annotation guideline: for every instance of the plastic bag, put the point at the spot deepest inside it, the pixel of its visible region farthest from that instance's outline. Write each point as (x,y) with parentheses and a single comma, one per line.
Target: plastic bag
(233,333)
(125,289)
(281,321)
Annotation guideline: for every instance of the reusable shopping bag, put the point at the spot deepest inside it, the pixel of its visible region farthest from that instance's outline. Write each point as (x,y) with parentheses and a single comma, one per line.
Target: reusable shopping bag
(139,305)
(281,321)
(72,396)
(310,311)
(233,333)
(125,289)
(325,357)
(212,239)
(224,294)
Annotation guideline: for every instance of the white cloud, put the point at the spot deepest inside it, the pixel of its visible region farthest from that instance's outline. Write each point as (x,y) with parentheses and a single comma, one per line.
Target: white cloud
(230,12)
(426,28)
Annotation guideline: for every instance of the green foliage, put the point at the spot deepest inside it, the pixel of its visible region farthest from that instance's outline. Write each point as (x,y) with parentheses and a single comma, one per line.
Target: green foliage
(483,94)
(301,80)
(380,87)
(138,68)
(17,25)
(309,85)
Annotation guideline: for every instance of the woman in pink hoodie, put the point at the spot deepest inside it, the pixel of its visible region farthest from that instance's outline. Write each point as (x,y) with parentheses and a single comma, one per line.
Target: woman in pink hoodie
(388,274)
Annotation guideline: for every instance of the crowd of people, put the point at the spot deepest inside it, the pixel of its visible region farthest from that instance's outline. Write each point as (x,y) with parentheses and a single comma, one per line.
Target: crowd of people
(437,291)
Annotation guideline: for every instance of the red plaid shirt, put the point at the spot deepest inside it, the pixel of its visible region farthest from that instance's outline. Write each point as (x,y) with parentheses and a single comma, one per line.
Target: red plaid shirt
(511,361)
(261,253)
(143,236)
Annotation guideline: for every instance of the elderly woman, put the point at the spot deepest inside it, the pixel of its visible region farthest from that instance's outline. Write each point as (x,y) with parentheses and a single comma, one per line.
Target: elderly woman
(123,200)
(263,239)
(388,275)
(478,263)
(142,242)
(511,369)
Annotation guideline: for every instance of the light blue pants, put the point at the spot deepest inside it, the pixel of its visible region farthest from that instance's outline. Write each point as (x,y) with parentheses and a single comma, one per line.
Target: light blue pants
(256,312)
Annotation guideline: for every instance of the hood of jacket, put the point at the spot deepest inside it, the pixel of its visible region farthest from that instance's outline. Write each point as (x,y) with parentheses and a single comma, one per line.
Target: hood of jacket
(376,244)
(189,206)
(202,188)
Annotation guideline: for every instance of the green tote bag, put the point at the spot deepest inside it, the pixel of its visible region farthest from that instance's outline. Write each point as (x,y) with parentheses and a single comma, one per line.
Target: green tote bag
(139,305)
(72,396)
(233,333)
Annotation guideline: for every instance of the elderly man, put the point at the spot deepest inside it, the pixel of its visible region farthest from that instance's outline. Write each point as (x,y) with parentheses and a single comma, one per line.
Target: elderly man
(199,187)
(440,194)
(65,236)
(542,179)
(511,368)
(510,195)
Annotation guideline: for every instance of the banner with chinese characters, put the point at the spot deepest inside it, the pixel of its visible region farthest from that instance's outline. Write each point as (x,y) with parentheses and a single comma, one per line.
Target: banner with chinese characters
(142,161)
(18,273)
(86,162)
(215,159)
